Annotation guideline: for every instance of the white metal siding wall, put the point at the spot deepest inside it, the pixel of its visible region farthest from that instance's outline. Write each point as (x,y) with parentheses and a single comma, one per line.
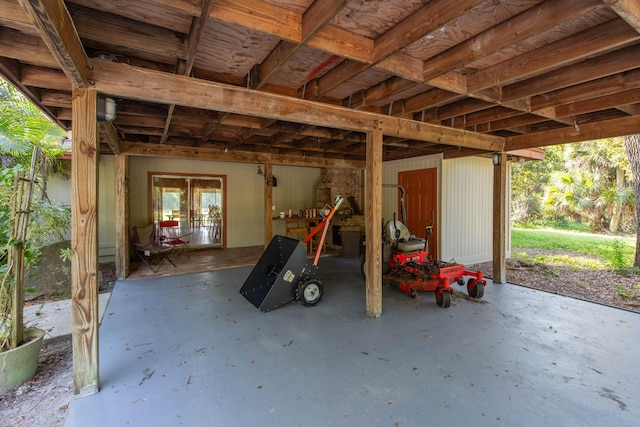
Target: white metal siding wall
(467,198)
(465,205)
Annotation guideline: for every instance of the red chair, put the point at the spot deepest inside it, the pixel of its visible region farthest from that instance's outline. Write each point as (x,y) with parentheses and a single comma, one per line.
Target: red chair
(170,234)
(152,253)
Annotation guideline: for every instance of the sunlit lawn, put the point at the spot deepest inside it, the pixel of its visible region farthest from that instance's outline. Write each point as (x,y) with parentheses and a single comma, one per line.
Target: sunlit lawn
(608,250)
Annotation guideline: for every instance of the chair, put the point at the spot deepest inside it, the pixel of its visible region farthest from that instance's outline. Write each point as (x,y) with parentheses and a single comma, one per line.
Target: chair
(296,228)
(170,235)
(152,253)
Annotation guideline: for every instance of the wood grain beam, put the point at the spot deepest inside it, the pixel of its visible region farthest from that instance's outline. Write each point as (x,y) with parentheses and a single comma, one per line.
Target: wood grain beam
(535,20)
(427,19)
(108,132)
(316,17)
(599,103)
(584,91)
(615,62)
(84,243)
(122,80)
(629,10)
(218,154)
(57,30)
(609,35)
(584,132)
(373,213)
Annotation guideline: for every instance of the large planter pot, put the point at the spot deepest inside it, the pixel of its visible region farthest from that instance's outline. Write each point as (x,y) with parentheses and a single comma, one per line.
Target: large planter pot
(20,364)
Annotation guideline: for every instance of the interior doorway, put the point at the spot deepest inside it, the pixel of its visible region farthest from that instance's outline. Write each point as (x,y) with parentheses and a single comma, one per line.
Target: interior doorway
(196,202)
(421,200)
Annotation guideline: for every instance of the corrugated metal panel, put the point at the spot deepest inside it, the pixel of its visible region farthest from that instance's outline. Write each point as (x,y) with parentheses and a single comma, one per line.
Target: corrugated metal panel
(467,200)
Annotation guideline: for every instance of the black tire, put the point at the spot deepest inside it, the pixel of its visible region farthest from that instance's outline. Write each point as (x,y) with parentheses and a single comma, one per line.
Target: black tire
(445,298)
(309,292)
(475,288)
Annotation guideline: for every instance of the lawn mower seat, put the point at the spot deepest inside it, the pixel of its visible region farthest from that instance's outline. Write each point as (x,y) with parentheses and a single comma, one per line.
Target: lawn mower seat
(406,243)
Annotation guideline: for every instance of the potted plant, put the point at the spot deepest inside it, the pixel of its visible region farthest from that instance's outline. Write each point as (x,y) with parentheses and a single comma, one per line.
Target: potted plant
(23,131)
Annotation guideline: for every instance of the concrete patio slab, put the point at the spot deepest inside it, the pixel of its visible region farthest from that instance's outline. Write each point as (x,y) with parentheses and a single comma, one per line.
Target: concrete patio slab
(190,350)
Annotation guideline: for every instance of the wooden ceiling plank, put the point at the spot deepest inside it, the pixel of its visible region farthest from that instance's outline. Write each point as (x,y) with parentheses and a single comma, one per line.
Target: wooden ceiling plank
(198,25)
(57,30)
(604,65)
(26,49)
(317,16)
(522,26)
(583,132)
(260,16)
(580,92)
(418,24)
(610,35)
(599,103)
(629,10)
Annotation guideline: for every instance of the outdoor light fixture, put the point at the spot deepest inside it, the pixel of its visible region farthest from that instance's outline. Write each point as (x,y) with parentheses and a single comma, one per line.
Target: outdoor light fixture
(496,159)
(105,108)
(274,181)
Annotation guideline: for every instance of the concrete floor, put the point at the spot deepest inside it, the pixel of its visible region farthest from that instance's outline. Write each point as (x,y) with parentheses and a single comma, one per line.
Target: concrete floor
(190,350)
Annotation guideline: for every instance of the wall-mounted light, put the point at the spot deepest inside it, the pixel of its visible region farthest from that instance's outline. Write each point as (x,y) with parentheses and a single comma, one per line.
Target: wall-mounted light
(496,159)
(274,181)
(105,108)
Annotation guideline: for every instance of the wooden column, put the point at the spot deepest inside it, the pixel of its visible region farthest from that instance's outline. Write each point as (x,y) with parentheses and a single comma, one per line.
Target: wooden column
(84,243)
(122,216)
(373,212)
(499,219)
(268,203)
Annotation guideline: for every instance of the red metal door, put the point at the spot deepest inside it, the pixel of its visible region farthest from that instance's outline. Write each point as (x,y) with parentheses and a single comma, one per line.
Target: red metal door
(421,203)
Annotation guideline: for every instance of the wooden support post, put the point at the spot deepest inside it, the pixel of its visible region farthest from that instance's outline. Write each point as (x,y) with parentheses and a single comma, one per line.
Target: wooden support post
(499,218)
(373,212)
(122,216)
(268,203)
(84,243)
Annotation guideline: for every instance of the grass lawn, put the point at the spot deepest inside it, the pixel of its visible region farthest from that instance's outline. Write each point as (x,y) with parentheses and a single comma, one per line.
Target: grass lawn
(611,251)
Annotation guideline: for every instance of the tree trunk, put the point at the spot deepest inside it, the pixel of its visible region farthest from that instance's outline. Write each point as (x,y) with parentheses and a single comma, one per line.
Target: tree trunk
(616,212)
(632,148)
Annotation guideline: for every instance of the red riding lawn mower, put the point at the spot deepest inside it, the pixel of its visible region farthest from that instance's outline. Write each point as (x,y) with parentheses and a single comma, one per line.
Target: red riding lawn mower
(407,265)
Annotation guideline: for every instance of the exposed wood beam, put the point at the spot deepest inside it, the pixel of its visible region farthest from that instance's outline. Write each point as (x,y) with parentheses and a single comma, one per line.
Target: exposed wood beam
(499,220)
(425,20)
(122,209)
(628,97)
(629,10)
(584,132)
(373,213)
(26,48)
(122,80)
(418,24)
(218,154)
(11,70)
(84,243)
(539,18)
(580,92)
(108,131)
(609,35)
(317,16)
(615,62)
(58,32)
